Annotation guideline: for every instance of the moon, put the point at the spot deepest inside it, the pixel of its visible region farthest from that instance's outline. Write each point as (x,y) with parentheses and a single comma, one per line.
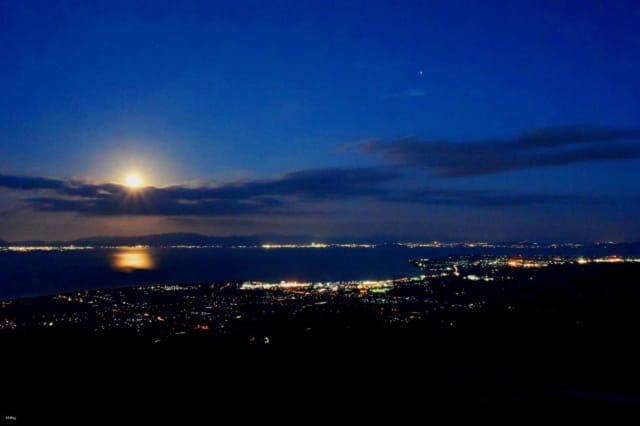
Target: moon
(133,181)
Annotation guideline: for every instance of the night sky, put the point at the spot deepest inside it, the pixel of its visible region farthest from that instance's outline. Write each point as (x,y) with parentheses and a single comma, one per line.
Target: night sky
(451,120)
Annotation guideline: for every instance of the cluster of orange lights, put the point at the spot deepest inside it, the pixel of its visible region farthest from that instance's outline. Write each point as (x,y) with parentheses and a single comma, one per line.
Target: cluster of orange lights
(521,263)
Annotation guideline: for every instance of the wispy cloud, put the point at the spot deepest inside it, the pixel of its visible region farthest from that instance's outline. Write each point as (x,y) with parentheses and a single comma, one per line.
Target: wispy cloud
(409,93)
(532,149)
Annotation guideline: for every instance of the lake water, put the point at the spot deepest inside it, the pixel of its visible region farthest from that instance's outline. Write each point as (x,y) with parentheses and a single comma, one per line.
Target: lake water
(41,273)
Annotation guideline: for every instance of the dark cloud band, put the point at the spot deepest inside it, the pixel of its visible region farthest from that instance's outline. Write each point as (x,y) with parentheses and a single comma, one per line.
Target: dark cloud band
(532,149)
(284,195)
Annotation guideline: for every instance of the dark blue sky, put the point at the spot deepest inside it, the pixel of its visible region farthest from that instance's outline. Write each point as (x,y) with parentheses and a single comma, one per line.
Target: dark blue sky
(321,118)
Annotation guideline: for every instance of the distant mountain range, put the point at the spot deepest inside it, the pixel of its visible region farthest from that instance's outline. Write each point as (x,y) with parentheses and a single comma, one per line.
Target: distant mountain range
(171,239)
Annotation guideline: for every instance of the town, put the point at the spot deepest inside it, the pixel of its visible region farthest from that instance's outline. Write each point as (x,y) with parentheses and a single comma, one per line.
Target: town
(441,290)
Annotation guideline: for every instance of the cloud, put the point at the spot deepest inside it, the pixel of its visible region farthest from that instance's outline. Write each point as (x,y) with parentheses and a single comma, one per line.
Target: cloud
(532,149)
(410,93)
(154,205)
(268,196)
(63,187)
(575,135)
(284,195)
(309,184)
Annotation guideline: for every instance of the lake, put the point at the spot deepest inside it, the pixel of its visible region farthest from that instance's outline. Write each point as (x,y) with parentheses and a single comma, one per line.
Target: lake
(39,273)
